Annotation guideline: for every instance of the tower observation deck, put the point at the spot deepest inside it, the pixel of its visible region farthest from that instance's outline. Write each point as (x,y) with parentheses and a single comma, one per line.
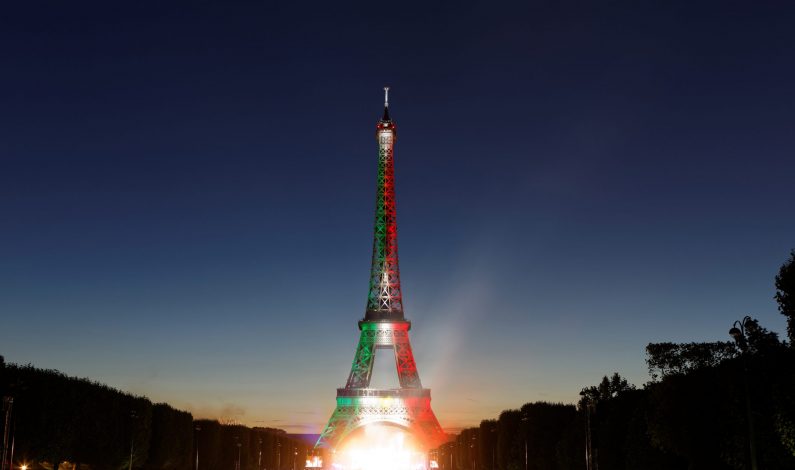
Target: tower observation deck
(384,328)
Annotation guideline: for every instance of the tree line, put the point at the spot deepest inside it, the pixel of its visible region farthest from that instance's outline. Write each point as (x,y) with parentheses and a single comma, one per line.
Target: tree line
(707,406)
(55,421)
(703,407)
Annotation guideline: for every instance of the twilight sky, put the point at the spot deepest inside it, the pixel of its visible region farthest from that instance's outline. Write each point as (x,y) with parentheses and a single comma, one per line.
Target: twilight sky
(186,192)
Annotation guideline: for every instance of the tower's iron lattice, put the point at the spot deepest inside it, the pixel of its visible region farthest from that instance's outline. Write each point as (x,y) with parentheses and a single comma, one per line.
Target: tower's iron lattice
(384,327)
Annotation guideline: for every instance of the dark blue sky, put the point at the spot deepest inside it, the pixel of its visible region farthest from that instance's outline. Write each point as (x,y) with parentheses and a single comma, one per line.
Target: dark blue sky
(186,191)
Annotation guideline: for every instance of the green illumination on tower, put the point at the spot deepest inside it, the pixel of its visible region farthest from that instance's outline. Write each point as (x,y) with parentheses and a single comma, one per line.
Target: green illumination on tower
(384,328)
(384,299)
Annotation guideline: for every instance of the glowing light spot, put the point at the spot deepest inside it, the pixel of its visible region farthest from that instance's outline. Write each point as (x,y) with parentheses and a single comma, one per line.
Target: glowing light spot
(380,447)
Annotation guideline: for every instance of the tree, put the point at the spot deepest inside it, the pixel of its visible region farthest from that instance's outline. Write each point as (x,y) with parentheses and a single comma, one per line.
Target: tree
(784,402)
(544,425)
(695,416)
(666,359)
(488,444)
(171,445)
(785,294)
(510,444)
(760,339)
(595,403)
(608,388)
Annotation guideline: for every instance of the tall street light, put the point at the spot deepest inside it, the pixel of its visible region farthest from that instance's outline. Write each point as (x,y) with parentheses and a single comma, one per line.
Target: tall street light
(590,408)
(738,333)
(493,447)
(237,444)
(525,419)
(8,403)
(13,441)
(475,452)
(133,417)
(197,428)
(238,455)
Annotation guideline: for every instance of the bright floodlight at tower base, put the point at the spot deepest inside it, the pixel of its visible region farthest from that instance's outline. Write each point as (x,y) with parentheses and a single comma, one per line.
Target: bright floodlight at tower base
(374,428)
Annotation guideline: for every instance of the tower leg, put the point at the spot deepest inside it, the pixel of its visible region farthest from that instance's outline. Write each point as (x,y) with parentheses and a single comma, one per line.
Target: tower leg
(404,357)
(362,367)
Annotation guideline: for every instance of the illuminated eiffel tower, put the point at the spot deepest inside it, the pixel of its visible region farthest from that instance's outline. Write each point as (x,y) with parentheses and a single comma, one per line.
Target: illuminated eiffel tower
(384,328)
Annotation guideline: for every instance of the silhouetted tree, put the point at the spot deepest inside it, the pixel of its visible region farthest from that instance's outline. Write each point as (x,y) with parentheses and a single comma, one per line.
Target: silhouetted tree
(700,415)
(544,425)
(760,339)
(784,402)
(171,445)
(608,388)
(488,444)
(510,445)
(604,421)
(785,295)
(664,359)
(697,416)
(638,450)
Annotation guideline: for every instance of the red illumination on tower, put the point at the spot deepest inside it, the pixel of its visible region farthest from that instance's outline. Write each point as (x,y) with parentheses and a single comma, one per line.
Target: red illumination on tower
(384,328)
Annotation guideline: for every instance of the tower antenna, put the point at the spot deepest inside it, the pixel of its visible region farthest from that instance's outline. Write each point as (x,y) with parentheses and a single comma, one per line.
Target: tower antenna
(386,96)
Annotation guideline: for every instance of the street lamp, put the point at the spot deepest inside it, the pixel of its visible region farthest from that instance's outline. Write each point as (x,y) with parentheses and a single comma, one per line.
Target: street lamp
(493,448)
(590,407)
(8,402)
(279,455)
(237,443)
(238,455)
(13,442)
(133,416)
(259,455)
(738,333)
(197,428)
(524,420)
(475,452)
(295,456)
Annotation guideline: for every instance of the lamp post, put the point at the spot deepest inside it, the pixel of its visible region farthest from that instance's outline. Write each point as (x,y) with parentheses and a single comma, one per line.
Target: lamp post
(133,417)
(474,450)
(738,333)
(524,434)
(238,455)
(279,455)
(197,428)
(493,448)
(259,454)
(8,403)
(591,462)
(13,441)
(237,444)
(295,456)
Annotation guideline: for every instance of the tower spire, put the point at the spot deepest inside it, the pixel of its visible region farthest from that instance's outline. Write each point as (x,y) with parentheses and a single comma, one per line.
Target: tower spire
(386,104)
(384,300)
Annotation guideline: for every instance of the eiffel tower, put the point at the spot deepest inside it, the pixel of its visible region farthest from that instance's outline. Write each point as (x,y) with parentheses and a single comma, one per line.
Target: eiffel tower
(384,328)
